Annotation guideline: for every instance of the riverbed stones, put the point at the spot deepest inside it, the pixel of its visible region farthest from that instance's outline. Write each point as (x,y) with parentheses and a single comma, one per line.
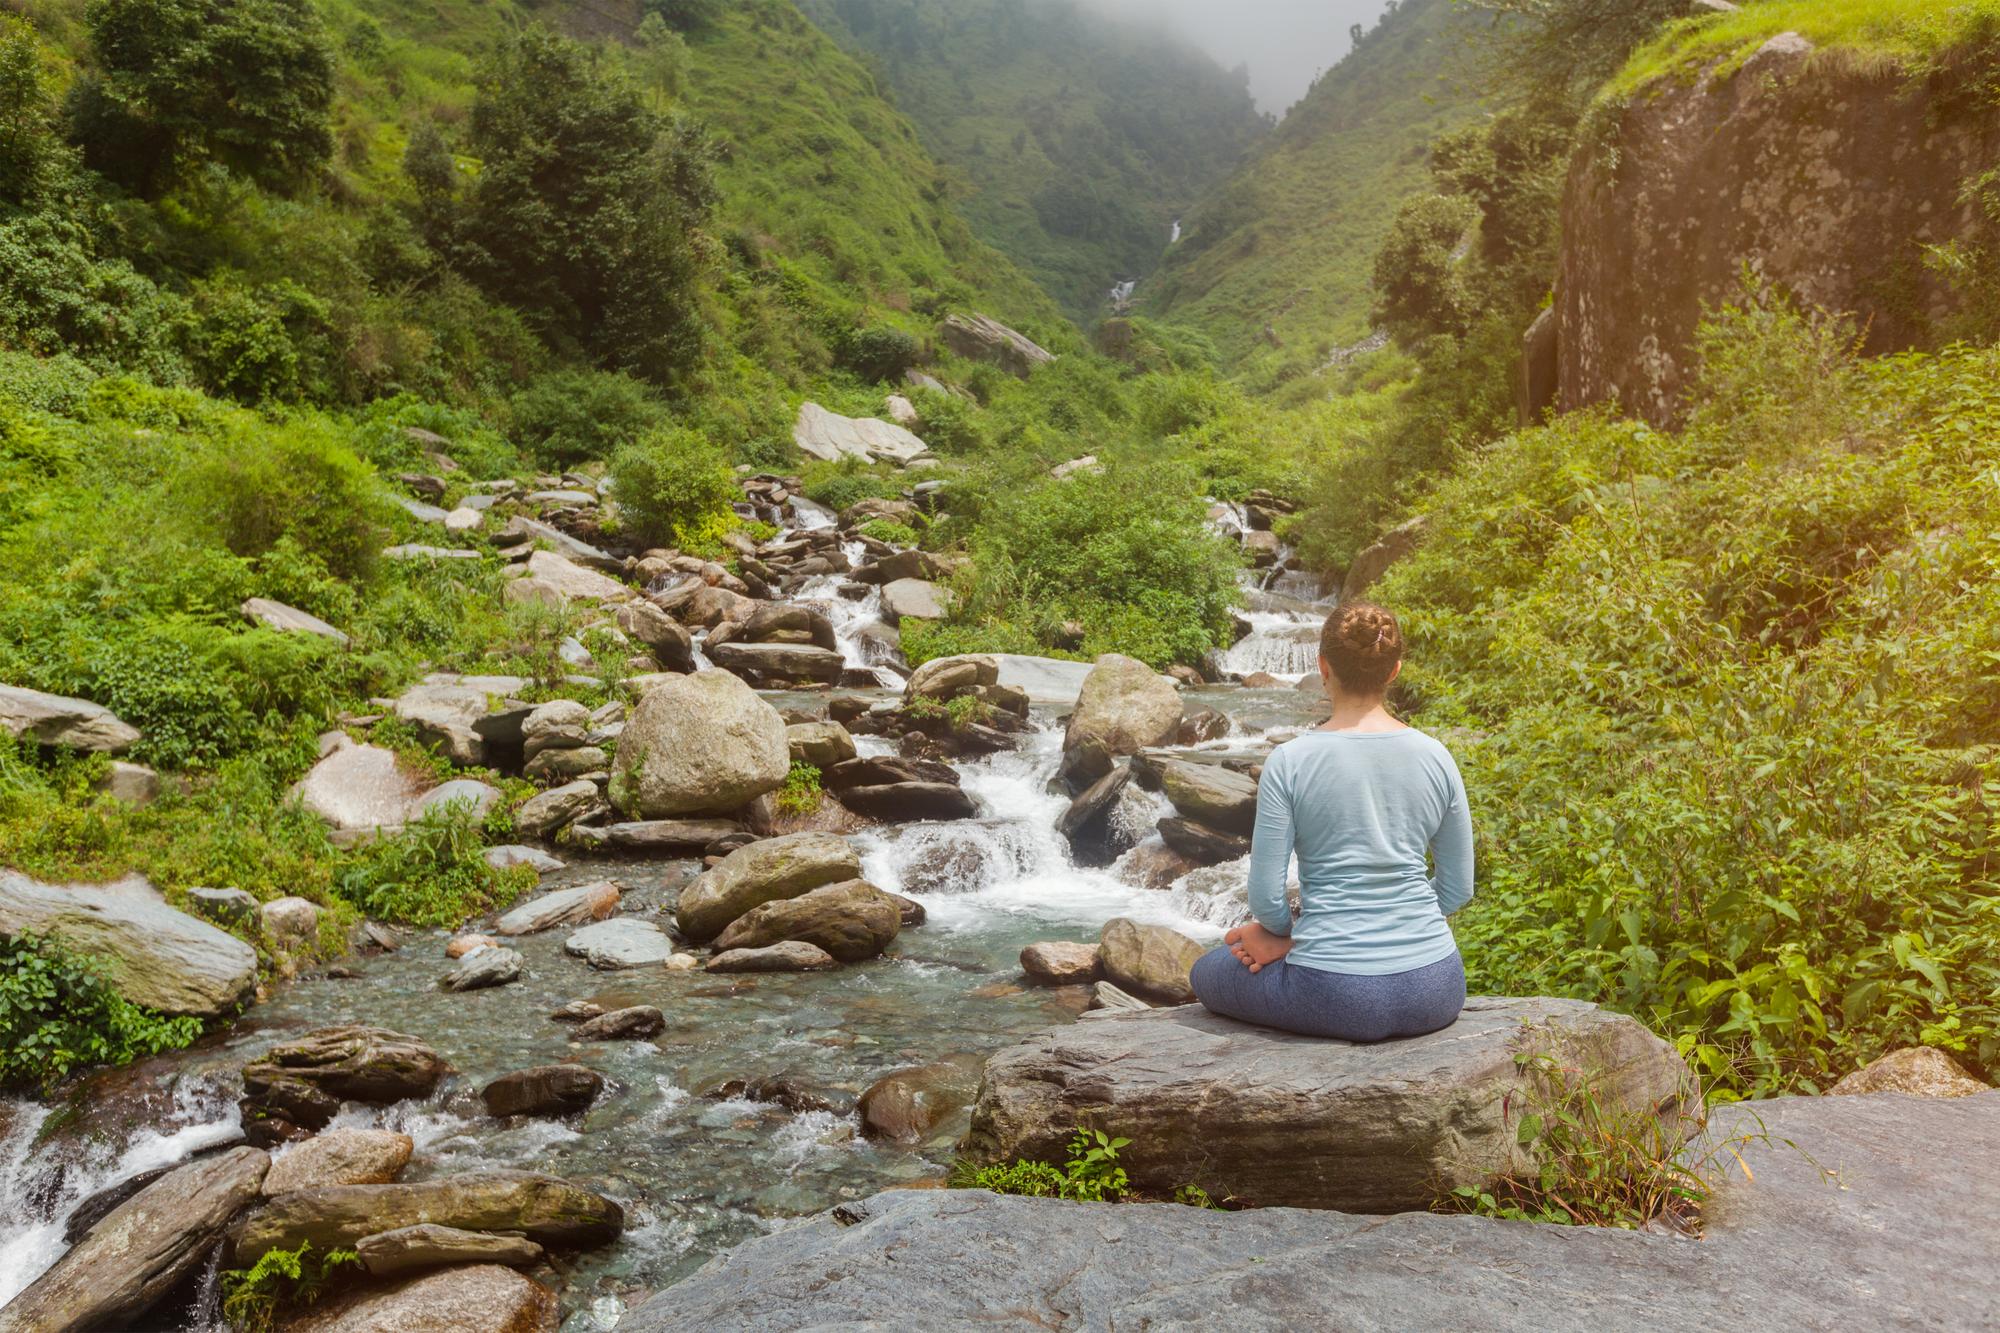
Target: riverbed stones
(481,1296)
(851,921)
(547,814)
(903,802)
(763,872)
(339,1157)
(154,955)
(1274,1119)
(298,1086)
(1125,706)
(653,837)
(484,969)
(557,768)
(289,923)
(289,620)
(636,1023)
(142,1250)
(559,724)
(546,1090)
(1212,795)
(943,679)
(1918,1071)
(1149,960)
(563,907)
(620,944)
(784,956)
(1062,962)
(821,744)
(665,638)
(553,1213)
(428,1245)
(777,665)
(699,744)
(908,1105)
(66,723)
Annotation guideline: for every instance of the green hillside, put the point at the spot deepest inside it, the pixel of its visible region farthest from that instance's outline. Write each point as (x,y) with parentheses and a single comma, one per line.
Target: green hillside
(1275,265)
(1079,140)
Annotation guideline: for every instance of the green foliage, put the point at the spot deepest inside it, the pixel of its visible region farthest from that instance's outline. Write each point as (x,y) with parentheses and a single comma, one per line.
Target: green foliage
(58,1012)
(896,534)
(574,416)
(674,488)
(881,353)
(686,15)
(801,794)
(246,84)
(1421,290)
(431,874)
(848,482)
(257,344)
(253,1297)
(263,483)
(1092,1174)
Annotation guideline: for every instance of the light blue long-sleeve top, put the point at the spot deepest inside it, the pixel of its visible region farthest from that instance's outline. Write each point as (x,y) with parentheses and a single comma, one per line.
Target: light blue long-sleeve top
(1362,809)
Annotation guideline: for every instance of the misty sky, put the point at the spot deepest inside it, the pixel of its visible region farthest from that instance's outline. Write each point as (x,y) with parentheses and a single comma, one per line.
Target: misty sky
(1284,42)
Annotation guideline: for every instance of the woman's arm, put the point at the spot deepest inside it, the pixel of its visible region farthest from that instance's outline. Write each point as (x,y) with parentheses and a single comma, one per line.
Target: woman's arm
(1271,852)
(1451,848)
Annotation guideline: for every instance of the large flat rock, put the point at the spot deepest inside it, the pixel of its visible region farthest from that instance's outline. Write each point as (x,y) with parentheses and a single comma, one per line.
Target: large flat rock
(155,955)
(1899,1237)
(57,719)
(1273,1119)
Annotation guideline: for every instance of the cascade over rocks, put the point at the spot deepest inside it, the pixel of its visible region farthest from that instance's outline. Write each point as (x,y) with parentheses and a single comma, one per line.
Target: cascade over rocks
(155,955)
(1281,1120)
(763,872)
(698,744)
(1826,177)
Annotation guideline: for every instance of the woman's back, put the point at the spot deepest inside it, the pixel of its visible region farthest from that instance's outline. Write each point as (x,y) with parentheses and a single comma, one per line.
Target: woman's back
(1362,810)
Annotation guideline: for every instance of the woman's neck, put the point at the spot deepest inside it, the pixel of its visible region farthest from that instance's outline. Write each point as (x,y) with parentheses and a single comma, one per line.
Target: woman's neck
(1359,712)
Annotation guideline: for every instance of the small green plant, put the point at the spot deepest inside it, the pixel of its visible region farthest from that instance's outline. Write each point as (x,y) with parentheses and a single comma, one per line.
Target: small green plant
(801,794)
(432,873)
(280,1279)
(959,713)
(1092,1174)
(896,534)
(58,1012)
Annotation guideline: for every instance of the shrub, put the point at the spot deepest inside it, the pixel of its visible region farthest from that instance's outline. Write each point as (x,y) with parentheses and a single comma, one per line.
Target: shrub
(896,534)
(674,489)
(848,482)
(571,416)
(255,344)
(801,794)
(880,353)
(431,874)
(58,1012)
(1092,1174)
(264,482)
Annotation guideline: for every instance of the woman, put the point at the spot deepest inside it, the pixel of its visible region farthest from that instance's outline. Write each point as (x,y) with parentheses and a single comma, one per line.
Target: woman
(1361,800)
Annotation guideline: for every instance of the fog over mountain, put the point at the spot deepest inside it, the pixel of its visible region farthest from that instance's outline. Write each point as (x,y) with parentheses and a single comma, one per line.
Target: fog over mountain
(1285,43)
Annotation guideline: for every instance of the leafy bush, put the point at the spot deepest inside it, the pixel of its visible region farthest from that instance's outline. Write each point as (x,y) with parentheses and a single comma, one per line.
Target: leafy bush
(896,534)
(879,354)
(258,344)
(431,874)
(571,416)
(1092,1174)
(674,489)
(801,794)
(299,480)
(59,1012)
(848,482)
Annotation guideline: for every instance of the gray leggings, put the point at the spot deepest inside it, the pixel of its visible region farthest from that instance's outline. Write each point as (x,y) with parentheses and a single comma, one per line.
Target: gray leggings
(1332,1004)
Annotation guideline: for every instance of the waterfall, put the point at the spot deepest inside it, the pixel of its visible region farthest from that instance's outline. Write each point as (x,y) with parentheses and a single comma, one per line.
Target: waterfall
(1284,605)
(1174,236)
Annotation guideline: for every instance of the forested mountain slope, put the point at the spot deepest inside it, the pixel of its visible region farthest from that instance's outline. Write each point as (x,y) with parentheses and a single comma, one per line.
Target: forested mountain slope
(1081,140)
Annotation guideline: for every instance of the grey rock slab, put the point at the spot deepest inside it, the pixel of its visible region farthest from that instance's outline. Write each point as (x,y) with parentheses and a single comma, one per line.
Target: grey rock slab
(427,1245)
(475,796)
(358,788)
(830,437)
(573,580)
(1045,680)
(786,956)
(483,969)
(763,872)
(520,854)
(463,1298)
(774,665)
(979,337)
(652,836)
(619,944)
(918,599)
(417,509)
(445,714)
(547,814)
(155,955)
(564,907)
(1212,795)
(56,719)
(134,784)
(1274,1119)
(1893,1239)
(289,619)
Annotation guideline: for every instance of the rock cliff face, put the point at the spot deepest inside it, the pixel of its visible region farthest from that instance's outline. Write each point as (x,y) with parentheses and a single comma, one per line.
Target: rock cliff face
(1823,173)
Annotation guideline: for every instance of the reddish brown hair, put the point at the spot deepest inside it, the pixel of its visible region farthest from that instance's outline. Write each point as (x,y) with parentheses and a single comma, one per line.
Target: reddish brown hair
(1362,643)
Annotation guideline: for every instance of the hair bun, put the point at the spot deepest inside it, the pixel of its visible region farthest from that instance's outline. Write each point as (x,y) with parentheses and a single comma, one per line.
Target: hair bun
(1362,644)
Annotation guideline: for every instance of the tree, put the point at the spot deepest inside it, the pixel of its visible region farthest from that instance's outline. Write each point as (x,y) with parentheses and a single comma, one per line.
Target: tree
(686,15)
(32,156)
(244,83)
(585,212)
(1420,284)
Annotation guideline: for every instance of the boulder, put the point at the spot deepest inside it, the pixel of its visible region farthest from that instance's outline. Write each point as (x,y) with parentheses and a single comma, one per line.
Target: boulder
(1125,706)
(1202,845)
(520,854)
(653,837)
(483,969)
(878,508)
(763,872)
(289,619)
(134,784)
(231,907)
(339,1157)
(777,665)
(551,1212)
(830,437)
(636,1023)
(1052,682)
(154,955)
(358,789)
(620,944)
(908,1105)
(464,519)
(665,638)
(142,1250)
(1062,962)
(559,724)
(443,715)
(699,744)
(72,724)
(788,622)
(550,812)
(915,598)
(572,581)
(546,1090)
(422,551)
(982,338)
(290,924)
(471,1296)
(784,956)
(1149,961)
(903,802)
(884,770)
(945,678)
(851,921)
(1274,1119)
(1374,561)
(427,1246)
(1918,1071)
(564,907)
(1212,795)
(1087,822)
(559,768)
(299,1086)
(526,591)
(900,409)
(821,744)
